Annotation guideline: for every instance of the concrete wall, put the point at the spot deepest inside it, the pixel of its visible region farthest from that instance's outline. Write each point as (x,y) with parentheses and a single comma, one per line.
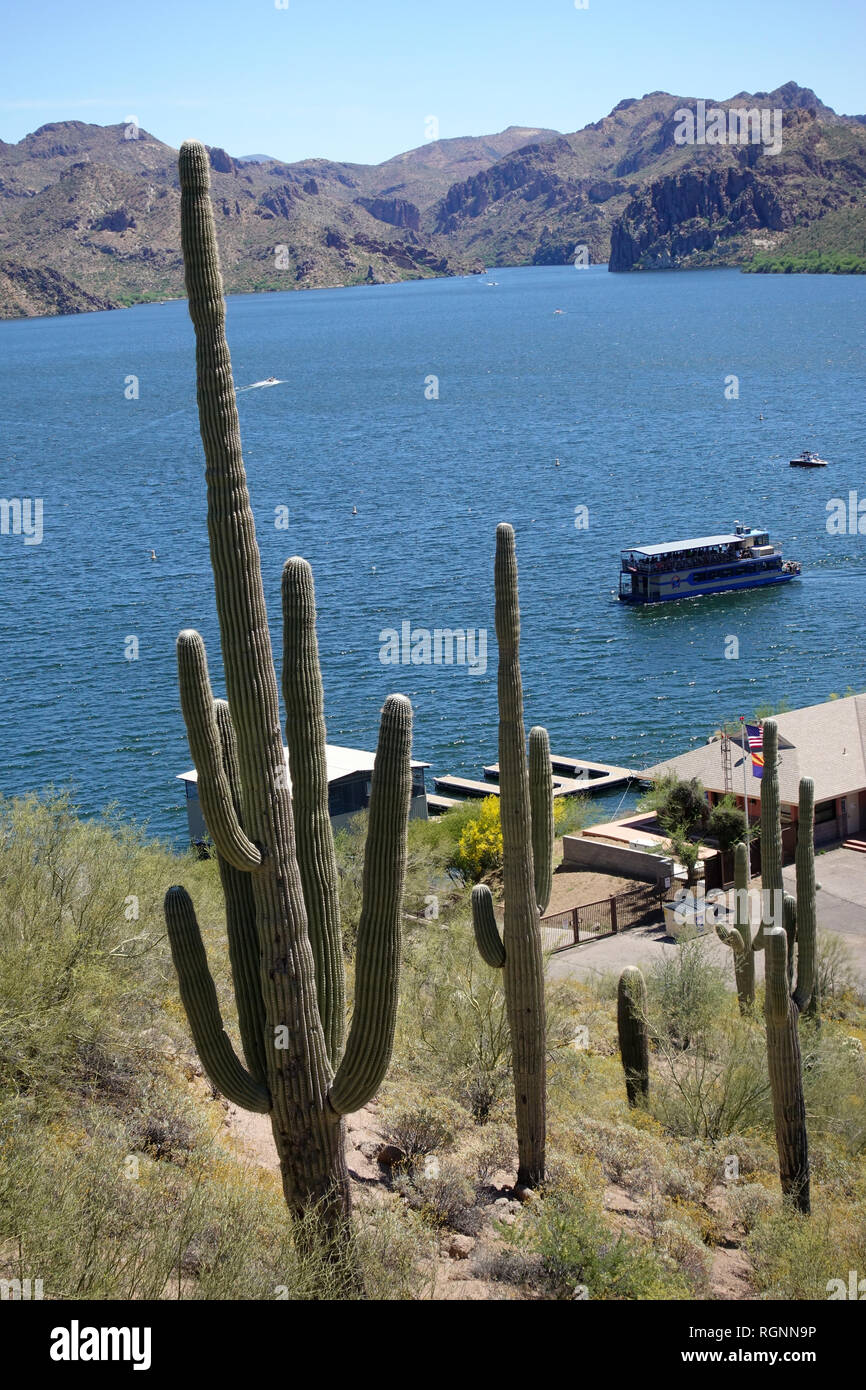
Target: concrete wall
(600,858)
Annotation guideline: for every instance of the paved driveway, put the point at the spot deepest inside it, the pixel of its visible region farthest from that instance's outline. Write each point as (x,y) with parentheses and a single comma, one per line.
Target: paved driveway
(841,875)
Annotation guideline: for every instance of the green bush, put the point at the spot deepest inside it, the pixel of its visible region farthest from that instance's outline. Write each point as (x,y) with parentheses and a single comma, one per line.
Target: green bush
(581,1257)
(418,1126)
(796,1257)
(726,824)
(687,992)
(452,1026)
(678,804)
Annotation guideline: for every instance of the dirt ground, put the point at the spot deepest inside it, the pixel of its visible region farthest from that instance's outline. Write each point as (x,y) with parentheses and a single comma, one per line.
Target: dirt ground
(575,887)
(455,1277)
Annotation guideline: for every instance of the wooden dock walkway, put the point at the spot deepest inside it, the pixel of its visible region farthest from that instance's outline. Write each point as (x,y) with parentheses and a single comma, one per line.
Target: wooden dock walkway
(467,787)
(579,774)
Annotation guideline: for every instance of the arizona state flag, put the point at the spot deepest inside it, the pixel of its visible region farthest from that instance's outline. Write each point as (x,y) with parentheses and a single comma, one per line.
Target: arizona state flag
(755,735)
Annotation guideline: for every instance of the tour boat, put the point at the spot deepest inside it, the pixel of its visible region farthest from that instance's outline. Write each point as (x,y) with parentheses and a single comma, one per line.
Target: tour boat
(744,559)
(808,460)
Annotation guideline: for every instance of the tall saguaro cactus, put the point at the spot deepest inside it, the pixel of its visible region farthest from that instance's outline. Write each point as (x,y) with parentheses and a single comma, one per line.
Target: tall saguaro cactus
(784,997)
(526,810)
(277,863)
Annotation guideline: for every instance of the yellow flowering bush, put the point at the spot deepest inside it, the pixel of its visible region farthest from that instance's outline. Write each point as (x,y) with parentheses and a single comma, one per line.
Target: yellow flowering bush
(479,849)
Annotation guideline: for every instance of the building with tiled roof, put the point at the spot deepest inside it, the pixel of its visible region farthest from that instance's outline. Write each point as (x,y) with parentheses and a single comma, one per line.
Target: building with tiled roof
(826,742)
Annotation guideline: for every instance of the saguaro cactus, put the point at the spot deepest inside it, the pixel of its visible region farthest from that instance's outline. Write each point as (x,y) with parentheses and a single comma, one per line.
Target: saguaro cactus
(739,937)
(526,810)
(632,1027)
(280,885)
(785,999)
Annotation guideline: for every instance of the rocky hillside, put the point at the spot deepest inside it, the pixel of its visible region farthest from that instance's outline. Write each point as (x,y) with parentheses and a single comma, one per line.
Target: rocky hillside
(739,202)
(627,191)
(89,214)
(89,218)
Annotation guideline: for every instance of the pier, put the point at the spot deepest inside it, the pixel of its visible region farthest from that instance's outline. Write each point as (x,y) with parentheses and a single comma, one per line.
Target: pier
(586,776)
(571,777)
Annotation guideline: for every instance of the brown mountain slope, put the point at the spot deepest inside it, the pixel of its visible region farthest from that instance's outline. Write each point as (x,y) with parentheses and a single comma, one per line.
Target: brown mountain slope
(101,211)
(538,205)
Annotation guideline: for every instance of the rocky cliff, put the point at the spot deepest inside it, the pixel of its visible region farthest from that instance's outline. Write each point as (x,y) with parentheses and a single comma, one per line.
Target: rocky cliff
(747,200)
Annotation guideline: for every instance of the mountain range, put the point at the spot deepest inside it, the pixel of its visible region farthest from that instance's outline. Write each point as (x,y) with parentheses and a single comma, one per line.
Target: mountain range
(89,214)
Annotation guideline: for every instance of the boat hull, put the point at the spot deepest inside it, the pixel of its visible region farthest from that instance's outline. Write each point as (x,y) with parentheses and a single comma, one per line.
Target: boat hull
(689,587)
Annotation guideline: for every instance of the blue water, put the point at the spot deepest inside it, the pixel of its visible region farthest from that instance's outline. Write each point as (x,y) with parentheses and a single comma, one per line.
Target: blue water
(626,387)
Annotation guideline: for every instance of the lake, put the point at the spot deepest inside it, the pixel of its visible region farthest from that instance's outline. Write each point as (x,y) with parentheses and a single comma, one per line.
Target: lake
(629,387)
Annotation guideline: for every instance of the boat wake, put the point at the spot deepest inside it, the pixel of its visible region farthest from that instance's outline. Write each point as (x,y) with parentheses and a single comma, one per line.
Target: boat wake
(254,386)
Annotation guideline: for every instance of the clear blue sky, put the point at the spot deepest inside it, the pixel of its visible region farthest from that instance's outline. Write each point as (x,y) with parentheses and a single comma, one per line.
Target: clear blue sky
(356,79)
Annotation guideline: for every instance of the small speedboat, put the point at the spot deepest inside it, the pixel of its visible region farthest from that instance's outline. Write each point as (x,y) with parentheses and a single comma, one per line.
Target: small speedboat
(808,460)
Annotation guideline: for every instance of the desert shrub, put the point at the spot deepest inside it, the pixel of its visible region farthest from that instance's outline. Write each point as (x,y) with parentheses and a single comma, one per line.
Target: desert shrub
(419,1126)
(570,814)
(579,1252)
(506,1265)
(750,1203)
(755,1152)
(710,1089)
(726,823)
(834,1085)
(686,992)
(440,1192)
(678,804)
(604,985)
(796,1257)
(452,1027)
(688,1252)
(491,1149)
(96,1222)
(164,1123)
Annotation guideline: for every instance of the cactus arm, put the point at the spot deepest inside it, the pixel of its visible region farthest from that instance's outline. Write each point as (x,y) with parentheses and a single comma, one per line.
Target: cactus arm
(631,1020)
(789,922)
(371,1035)
(524,968)
(731,937)
(487,937)
(541,806)
(304,700)
(202,1008)
(771,836)
(241,921)
(744,961)
(197,704)
(807,917)
(785,1070)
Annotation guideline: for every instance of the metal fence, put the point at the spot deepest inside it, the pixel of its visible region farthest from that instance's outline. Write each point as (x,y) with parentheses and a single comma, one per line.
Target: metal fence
(591,921)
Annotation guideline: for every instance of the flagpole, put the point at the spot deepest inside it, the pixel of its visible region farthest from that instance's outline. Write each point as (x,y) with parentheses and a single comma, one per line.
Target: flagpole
(746,755)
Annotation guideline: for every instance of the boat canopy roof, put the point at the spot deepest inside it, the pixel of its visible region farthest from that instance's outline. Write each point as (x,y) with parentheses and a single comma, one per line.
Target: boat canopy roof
(699,543)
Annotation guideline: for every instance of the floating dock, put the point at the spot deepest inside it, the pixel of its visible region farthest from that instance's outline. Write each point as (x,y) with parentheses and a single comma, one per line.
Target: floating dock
(579,774)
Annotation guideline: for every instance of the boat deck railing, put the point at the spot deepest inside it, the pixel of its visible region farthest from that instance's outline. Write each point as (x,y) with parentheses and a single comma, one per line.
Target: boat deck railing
(690,560)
